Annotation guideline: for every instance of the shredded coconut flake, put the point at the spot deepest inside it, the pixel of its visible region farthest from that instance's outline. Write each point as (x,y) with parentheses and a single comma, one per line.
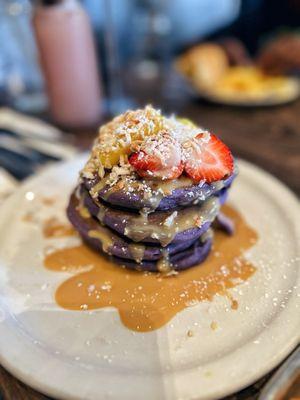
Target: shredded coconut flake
(131,131)
(170,219)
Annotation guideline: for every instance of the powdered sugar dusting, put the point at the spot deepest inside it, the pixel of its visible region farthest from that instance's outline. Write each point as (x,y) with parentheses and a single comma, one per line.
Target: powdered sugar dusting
(182,129)
(132,131)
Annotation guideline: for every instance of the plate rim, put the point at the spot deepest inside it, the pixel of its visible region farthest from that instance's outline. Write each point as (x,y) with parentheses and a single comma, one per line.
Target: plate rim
(272,102)
(210,96)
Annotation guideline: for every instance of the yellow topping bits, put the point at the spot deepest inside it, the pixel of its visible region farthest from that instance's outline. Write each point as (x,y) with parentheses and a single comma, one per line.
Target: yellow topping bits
(187,122)
(126,133)
(123,135)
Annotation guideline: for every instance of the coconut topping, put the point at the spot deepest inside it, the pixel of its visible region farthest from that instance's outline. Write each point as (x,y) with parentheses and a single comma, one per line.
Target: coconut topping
(130,132)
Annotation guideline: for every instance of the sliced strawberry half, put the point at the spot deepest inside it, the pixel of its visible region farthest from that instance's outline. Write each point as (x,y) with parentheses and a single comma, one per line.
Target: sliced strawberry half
(207,158)
(145,162)
(158,158)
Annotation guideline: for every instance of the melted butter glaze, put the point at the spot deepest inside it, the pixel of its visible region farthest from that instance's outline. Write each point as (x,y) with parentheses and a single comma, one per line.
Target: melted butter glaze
(140,228)
(129,189)
(147,301)
(101,233)
(167,225)
(163,265)
(150,190)
(148,187)
(137,251)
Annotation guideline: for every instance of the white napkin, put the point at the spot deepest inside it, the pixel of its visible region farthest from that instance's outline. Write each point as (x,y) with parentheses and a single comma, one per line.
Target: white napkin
(32,133)
(36,133)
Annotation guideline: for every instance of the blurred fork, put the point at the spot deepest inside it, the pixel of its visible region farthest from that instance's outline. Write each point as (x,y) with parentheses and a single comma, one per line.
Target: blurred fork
(26,143)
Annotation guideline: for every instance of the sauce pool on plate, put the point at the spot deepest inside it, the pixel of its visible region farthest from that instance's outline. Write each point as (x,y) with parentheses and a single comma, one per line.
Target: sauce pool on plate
(147,301)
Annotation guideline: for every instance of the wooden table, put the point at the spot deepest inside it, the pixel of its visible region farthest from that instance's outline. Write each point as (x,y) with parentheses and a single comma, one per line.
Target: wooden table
(270,138)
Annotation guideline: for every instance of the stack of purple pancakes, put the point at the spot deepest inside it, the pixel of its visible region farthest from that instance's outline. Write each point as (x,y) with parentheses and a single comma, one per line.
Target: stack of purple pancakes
(151,191)
(147,226)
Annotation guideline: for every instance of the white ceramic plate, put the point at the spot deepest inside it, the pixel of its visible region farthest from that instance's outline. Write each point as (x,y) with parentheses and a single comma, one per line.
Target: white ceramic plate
(91,355)
(236,101)
(255,102)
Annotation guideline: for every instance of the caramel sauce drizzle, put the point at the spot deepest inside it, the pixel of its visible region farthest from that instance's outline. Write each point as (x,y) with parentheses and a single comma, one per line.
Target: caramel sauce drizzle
(53,228)
(48,201)
(147,301)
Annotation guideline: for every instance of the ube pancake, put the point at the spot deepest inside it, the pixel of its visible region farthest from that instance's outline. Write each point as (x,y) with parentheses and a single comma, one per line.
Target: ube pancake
(193,256)
(150,190)
(103,239)
(161,227)
(143,159)
(224,223)
(136,193)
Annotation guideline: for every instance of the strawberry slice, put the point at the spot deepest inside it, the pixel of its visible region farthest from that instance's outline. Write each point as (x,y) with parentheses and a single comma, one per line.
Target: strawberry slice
(145,162)
(158,158)
(207,158)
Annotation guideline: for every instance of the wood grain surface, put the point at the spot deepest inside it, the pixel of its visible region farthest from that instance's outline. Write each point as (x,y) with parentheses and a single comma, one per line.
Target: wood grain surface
(269,138)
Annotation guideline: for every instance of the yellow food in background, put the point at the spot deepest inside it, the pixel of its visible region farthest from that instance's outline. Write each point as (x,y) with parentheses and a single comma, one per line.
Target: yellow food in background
(203,64)
(250,82)
(206,66)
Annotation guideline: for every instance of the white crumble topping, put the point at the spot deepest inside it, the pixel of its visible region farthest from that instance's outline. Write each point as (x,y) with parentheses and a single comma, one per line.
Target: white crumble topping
(131,131)
(170,219)
(117,172)
(182,131)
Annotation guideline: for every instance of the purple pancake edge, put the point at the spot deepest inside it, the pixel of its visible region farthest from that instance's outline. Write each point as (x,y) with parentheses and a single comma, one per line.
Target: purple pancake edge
(121,246)
(181,197)
(118,222)
(192,257)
